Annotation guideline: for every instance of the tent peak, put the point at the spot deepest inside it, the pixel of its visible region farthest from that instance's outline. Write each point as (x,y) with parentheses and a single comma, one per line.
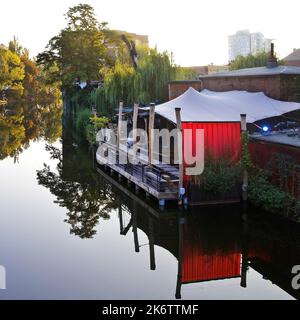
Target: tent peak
(227,106)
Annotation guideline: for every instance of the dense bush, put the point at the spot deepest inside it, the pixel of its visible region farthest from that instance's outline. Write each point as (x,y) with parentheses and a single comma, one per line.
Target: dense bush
(94,125)
(269,197)
(83,119)
(219,176)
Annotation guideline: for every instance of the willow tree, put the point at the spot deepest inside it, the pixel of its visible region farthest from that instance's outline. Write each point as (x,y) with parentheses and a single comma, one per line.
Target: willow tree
(154,72)
(117,86)
(149,82)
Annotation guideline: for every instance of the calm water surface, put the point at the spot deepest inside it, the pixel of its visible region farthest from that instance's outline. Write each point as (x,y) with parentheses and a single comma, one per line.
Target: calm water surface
(67,233)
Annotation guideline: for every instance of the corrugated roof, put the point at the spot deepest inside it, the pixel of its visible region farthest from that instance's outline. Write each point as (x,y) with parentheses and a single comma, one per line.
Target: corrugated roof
(260,71)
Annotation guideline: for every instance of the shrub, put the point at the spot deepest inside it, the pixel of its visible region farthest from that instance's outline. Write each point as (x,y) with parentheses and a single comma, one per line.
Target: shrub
(269,197)
(94,125)
(83,119)
(219,176)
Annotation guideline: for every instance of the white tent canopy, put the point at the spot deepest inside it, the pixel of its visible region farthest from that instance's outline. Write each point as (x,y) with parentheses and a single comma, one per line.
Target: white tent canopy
(211,106)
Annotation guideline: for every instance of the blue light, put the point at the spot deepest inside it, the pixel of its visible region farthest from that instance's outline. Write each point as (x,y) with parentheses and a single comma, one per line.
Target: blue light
(265,128)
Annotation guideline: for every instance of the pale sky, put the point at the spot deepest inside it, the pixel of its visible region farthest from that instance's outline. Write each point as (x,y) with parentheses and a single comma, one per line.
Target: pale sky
(194,30)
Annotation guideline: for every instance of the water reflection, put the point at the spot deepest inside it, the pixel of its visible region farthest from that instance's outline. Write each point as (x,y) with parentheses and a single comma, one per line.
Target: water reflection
(213,244)
(22,122)
(86,198)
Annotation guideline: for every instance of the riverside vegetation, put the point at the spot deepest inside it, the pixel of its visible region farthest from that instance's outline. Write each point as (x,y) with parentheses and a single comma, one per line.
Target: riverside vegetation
(87,50)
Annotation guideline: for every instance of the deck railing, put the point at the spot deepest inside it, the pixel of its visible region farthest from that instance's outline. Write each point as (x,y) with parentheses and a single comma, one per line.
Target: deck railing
(162,178)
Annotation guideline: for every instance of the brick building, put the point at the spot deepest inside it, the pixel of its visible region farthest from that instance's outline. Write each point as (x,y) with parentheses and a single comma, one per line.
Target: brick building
(277,82)
(176,88)
(293,59)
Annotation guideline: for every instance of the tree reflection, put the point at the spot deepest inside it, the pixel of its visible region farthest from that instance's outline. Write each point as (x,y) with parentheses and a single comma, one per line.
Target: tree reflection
(12,135)
(30,106)
(21,123)
(86,197)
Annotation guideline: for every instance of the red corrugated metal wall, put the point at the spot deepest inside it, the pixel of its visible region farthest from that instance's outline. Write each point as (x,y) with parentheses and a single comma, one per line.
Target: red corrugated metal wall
(200,266)
(221,139)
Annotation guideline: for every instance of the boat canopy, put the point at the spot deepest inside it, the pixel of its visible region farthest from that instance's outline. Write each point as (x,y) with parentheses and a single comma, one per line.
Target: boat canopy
(212,106)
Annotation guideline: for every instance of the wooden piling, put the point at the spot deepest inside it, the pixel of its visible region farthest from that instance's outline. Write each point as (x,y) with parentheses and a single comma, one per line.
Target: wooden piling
(134,227)
(134,119)
(245,173)
(151,243)
(181,222)
(119,124)
(151,132)
(180,155)
(134,127)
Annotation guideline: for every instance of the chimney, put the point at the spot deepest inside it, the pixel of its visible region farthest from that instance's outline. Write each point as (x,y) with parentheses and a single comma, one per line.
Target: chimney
(272,61)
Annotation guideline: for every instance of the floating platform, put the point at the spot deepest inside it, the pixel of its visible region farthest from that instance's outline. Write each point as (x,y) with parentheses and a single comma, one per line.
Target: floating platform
(161,181)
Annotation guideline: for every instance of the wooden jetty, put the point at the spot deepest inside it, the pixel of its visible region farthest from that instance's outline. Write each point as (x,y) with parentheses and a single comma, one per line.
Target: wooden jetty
(129,193)
(161,181)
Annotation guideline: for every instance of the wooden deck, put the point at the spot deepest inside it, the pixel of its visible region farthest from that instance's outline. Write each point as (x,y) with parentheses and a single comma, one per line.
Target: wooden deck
(129,193)
(161,181)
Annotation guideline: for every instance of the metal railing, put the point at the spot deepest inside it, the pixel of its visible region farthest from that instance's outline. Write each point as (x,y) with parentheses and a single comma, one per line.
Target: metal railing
(163,178)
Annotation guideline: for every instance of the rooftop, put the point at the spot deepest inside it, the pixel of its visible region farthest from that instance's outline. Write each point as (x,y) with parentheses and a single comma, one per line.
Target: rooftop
(295,55)
(260,71)
(285,138)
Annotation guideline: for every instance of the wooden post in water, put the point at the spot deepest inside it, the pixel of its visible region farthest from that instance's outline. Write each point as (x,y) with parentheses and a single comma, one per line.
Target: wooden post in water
(134,127)
(245,252)
(181,222)
(150,132)
(119,124)
(134,227)
(180,155)
(245,173)
(120,214)
(151,243)
(134,119)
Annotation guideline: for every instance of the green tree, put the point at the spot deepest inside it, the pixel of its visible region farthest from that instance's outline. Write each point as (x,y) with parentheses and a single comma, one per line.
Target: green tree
(11,70)
(250,61)
(15,47)
(12,134)
(85,197)
(149,82)
(154,71)
(78,51)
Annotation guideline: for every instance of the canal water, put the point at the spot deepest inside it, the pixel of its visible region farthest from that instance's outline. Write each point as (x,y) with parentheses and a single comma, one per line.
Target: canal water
(68,232)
